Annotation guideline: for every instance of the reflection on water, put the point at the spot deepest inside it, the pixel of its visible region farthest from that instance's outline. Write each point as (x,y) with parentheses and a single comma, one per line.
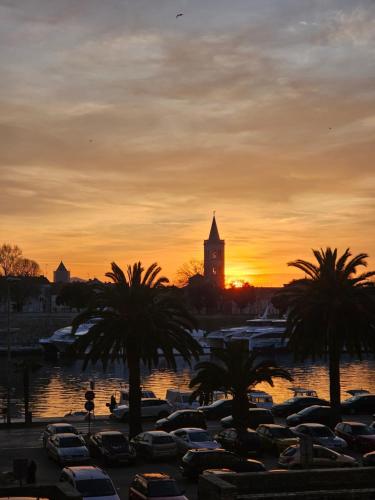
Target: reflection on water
(58,388)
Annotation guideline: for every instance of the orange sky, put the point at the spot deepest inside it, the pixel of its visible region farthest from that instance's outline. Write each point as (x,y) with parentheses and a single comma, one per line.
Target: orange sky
(123,128)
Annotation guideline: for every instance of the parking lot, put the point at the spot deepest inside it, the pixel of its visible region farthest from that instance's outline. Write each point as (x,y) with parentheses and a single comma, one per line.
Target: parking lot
(26,443)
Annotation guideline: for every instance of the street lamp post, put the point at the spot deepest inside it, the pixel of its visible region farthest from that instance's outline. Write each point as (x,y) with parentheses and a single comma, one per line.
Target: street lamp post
(9,351)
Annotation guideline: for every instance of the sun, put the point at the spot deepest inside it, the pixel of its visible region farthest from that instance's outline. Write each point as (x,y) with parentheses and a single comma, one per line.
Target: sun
(237,283)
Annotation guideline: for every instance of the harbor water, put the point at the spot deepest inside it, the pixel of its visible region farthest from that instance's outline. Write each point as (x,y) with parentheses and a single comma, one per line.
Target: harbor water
(58,387)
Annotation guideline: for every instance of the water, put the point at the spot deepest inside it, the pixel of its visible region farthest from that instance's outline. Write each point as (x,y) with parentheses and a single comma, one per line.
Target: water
(58,387)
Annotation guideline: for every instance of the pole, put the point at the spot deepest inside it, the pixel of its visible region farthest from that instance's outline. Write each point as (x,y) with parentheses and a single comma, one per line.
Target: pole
(9,354)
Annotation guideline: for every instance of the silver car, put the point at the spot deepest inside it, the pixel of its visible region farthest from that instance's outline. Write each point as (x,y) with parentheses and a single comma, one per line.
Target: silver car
(192,438)
(321,457)
(58,428)
(320,434)
(67,449)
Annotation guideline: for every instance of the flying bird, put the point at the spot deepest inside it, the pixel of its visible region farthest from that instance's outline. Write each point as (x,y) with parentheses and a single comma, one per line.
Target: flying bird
(179,15)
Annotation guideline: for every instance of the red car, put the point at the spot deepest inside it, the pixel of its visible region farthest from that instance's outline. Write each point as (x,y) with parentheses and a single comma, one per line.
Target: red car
(357,435)
(155,485)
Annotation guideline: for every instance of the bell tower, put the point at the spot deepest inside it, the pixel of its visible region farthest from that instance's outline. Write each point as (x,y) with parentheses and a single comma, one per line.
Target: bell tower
(214,257)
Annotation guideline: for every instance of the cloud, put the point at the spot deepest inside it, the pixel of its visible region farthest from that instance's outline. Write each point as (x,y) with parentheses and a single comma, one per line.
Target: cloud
(124,129)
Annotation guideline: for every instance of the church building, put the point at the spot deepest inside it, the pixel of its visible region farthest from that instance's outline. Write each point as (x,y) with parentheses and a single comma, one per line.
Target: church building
(214,257)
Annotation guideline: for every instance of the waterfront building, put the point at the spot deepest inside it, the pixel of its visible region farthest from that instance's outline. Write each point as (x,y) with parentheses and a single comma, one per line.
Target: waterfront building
(214,263)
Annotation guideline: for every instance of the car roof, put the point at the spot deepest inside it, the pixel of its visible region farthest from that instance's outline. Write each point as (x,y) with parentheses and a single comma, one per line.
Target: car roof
(86,472)
(156,433)
(354,424)
(65,435)
(312,424)
(154,476)
(152,399)
(181,412)
(61,424)
(208,450)
(273,426)
(248,430)
(109,433)
(190,429)
(259,410)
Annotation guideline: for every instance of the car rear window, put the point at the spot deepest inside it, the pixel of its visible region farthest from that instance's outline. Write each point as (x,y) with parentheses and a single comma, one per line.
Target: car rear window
(198,437)
(95,487)
(162,439)
(65,430)
(163,489)
(282,433)
(115,440)
(70,442)
(362,430)
(289,452)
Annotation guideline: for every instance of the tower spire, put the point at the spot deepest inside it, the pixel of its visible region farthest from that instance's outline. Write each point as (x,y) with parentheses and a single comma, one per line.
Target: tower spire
(214,232)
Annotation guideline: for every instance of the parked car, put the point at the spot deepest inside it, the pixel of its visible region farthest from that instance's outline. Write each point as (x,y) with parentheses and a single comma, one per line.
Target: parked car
(91,482)
(320,434)
(154,444)
(180,419)
(313,414)
(369,459)
(194,462)
(244,442)
(360,403)
(322,457)
(217,409)
(294,405)
(155,485)
(150,408)
(60,428)
(358,435)
(192,437)
(112,447)
(276,438)
(67,448)
(256,416)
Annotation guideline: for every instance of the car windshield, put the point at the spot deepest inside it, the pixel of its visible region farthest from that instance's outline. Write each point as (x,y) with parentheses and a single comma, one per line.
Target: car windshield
(185,398)
(321,432)
(162,439)
(311,409)
(163,489)
(359,430)
(65,430)
(95,487)
(282,433)
(198,437)
(70,442)
(115,440)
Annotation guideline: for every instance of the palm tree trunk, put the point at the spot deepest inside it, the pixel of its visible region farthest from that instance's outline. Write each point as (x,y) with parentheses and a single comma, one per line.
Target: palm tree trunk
(135,422)
(334,380)
(240,409)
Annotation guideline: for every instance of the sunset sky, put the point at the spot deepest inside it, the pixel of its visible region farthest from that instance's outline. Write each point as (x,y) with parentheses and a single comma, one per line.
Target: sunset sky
(123,128)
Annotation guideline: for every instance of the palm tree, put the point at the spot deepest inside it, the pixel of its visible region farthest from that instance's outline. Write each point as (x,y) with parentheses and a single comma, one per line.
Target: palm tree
(235,370)
(330,310)
(138,319)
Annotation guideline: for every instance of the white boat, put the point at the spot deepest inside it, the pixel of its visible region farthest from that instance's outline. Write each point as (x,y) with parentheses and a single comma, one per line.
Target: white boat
(301,392)
(63,338)
(259,334)
(180,400)
(261,398)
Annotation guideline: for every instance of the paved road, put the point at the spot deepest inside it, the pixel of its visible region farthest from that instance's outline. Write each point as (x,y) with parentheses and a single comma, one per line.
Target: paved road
(26,443)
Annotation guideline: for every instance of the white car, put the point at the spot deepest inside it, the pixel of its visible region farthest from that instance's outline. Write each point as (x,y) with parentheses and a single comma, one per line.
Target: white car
(91,482)
(59,428)
(321,457)
(150,408)
(189,438)
(67,448)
